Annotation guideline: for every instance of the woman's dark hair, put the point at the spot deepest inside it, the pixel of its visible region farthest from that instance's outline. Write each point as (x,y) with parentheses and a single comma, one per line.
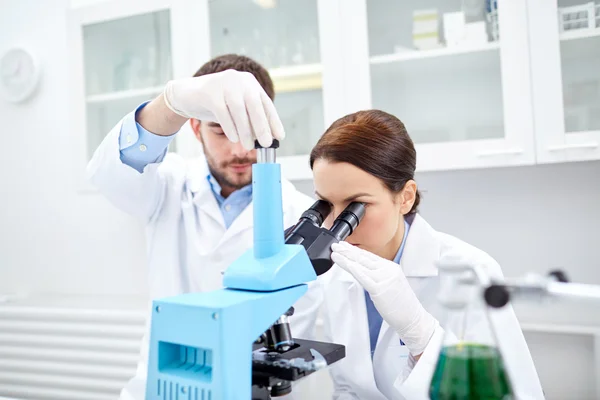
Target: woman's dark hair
(374,141)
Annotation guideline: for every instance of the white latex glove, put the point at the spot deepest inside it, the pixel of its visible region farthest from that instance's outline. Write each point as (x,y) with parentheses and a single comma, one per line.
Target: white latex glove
(232,98)
(391,294)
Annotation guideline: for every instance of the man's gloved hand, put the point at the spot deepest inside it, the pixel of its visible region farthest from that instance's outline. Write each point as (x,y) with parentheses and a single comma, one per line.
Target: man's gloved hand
(391,294)
(232,98)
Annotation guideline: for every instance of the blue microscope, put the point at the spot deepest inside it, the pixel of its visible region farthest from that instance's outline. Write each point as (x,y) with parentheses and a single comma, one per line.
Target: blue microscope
(236,343)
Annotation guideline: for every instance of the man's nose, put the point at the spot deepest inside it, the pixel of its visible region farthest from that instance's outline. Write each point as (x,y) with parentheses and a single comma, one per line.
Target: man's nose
(238,150)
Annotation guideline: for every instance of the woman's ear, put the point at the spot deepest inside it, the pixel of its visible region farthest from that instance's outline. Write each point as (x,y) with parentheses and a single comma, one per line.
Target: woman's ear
(408,196)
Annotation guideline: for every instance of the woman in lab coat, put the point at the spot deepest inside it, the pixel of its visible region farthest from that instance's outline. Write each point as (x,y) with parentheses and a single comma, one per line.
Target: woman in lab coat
(384,313)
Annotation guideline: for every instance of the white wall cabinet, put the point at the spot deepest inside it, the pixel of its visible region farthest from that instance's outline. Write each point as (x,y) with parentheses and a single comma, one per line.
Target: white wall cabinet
(466,103)
(526,91)
(565,57)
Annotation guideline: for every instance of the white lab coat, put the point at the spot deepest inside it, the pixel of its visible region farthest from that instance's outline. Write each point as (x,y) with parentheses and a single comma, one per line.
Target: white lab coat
(189,248)
(393,374)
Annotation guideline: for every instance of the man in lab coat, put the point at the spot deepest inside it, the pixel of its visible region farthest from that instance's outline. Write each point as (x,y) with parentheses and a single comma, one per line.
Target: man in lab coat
(198,215)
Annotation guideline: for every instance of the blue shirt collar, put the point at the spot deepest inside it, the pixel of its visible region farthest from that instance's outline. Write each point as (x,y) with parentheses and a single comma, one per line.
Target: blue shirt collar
(216,188)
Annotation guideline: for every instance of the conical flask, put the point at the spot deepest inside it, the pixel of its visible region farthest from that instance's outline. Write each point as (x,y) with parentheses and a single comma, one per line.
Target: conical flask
(470,365)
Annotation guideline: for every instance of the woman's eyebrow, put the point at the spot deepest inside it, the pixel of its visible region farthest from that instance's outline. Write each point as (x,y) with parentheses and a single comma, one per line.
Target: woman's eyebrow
(349,198)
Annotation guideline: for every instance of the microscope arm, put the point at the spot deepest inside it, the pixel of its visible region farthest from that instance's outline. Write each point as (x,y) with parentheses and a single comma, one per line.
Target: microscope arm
(535,287)
(497,293)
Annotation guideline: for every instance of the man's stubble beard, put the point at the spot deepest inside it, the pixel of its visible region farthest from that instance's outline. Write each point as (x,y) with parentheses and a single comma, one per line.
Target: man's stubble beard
(220,174)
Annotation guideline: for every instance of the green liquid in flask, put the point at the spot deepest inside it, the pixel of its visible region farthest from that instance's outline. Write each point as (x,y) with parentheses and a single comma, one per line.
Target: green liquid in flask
(469,372)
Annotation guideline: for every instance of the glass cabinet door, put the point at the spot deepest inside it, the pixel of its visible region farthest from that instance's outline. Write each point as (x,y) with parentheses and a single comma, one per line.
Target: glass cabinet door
(579,27)
(436,66)
(126,62)
(283,36)
(565,54)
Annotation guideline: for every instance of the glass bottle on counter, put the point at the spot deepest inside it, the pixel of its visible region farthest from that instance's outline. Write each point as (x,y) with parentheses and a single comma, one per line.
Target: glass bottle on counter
(470,365)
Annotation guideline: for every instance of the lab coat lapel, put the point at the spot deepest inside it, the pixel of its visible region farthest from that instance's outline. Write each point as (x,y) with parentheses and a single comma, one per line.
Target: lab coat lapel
(207,205)
(242,223)
(203,197)
(421,251)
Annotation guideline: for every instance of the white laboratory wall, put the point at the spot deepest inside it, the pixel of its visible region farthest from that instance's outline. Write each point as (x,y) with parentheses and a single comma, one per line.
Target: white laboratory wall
(66,252)
(52,237)
(574,379)
(531,219)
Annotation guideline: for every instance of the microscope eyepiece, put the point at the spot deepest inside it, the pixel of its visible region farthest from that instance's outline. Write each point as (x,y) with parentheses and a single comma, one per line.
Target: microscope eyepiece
(309,223)
(316,239)
(317,213)
(348,220)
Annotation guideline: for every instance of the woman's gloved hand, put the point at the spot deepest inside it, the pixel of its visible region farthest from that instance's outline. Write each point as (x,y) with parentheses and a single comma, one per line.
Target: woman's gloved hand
(231,98)
(391,294)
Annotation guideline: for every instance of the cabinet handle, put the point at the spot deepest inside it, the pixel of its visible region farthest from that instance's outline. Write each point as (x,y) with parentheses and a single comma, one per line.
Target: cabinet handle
(493,153)
(563,147)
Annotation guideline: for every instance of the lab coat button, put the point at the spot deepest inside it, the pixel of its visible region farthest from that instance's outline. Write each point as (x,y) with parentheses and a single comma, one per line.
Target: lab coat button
(143,147)
(128,139)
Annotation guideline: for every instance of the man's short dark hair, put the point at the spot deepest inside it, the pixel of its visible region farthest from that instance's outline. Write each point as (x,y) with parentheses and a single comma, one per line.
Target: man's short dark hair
(239,63)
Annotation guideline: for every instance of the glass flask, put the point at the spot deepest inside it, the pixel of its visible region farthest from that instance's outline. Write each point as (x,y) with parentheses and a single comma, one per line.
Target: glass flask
(470,365)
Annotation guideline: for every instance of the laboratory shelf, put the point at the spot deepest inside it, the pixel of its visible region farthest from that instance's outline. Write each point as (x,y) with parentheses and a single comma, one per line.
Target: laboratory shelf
(296,71)
(434,53)
(580,34)
(286,79)
(297,77)
(579,45)
(123,94)
(451,51)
